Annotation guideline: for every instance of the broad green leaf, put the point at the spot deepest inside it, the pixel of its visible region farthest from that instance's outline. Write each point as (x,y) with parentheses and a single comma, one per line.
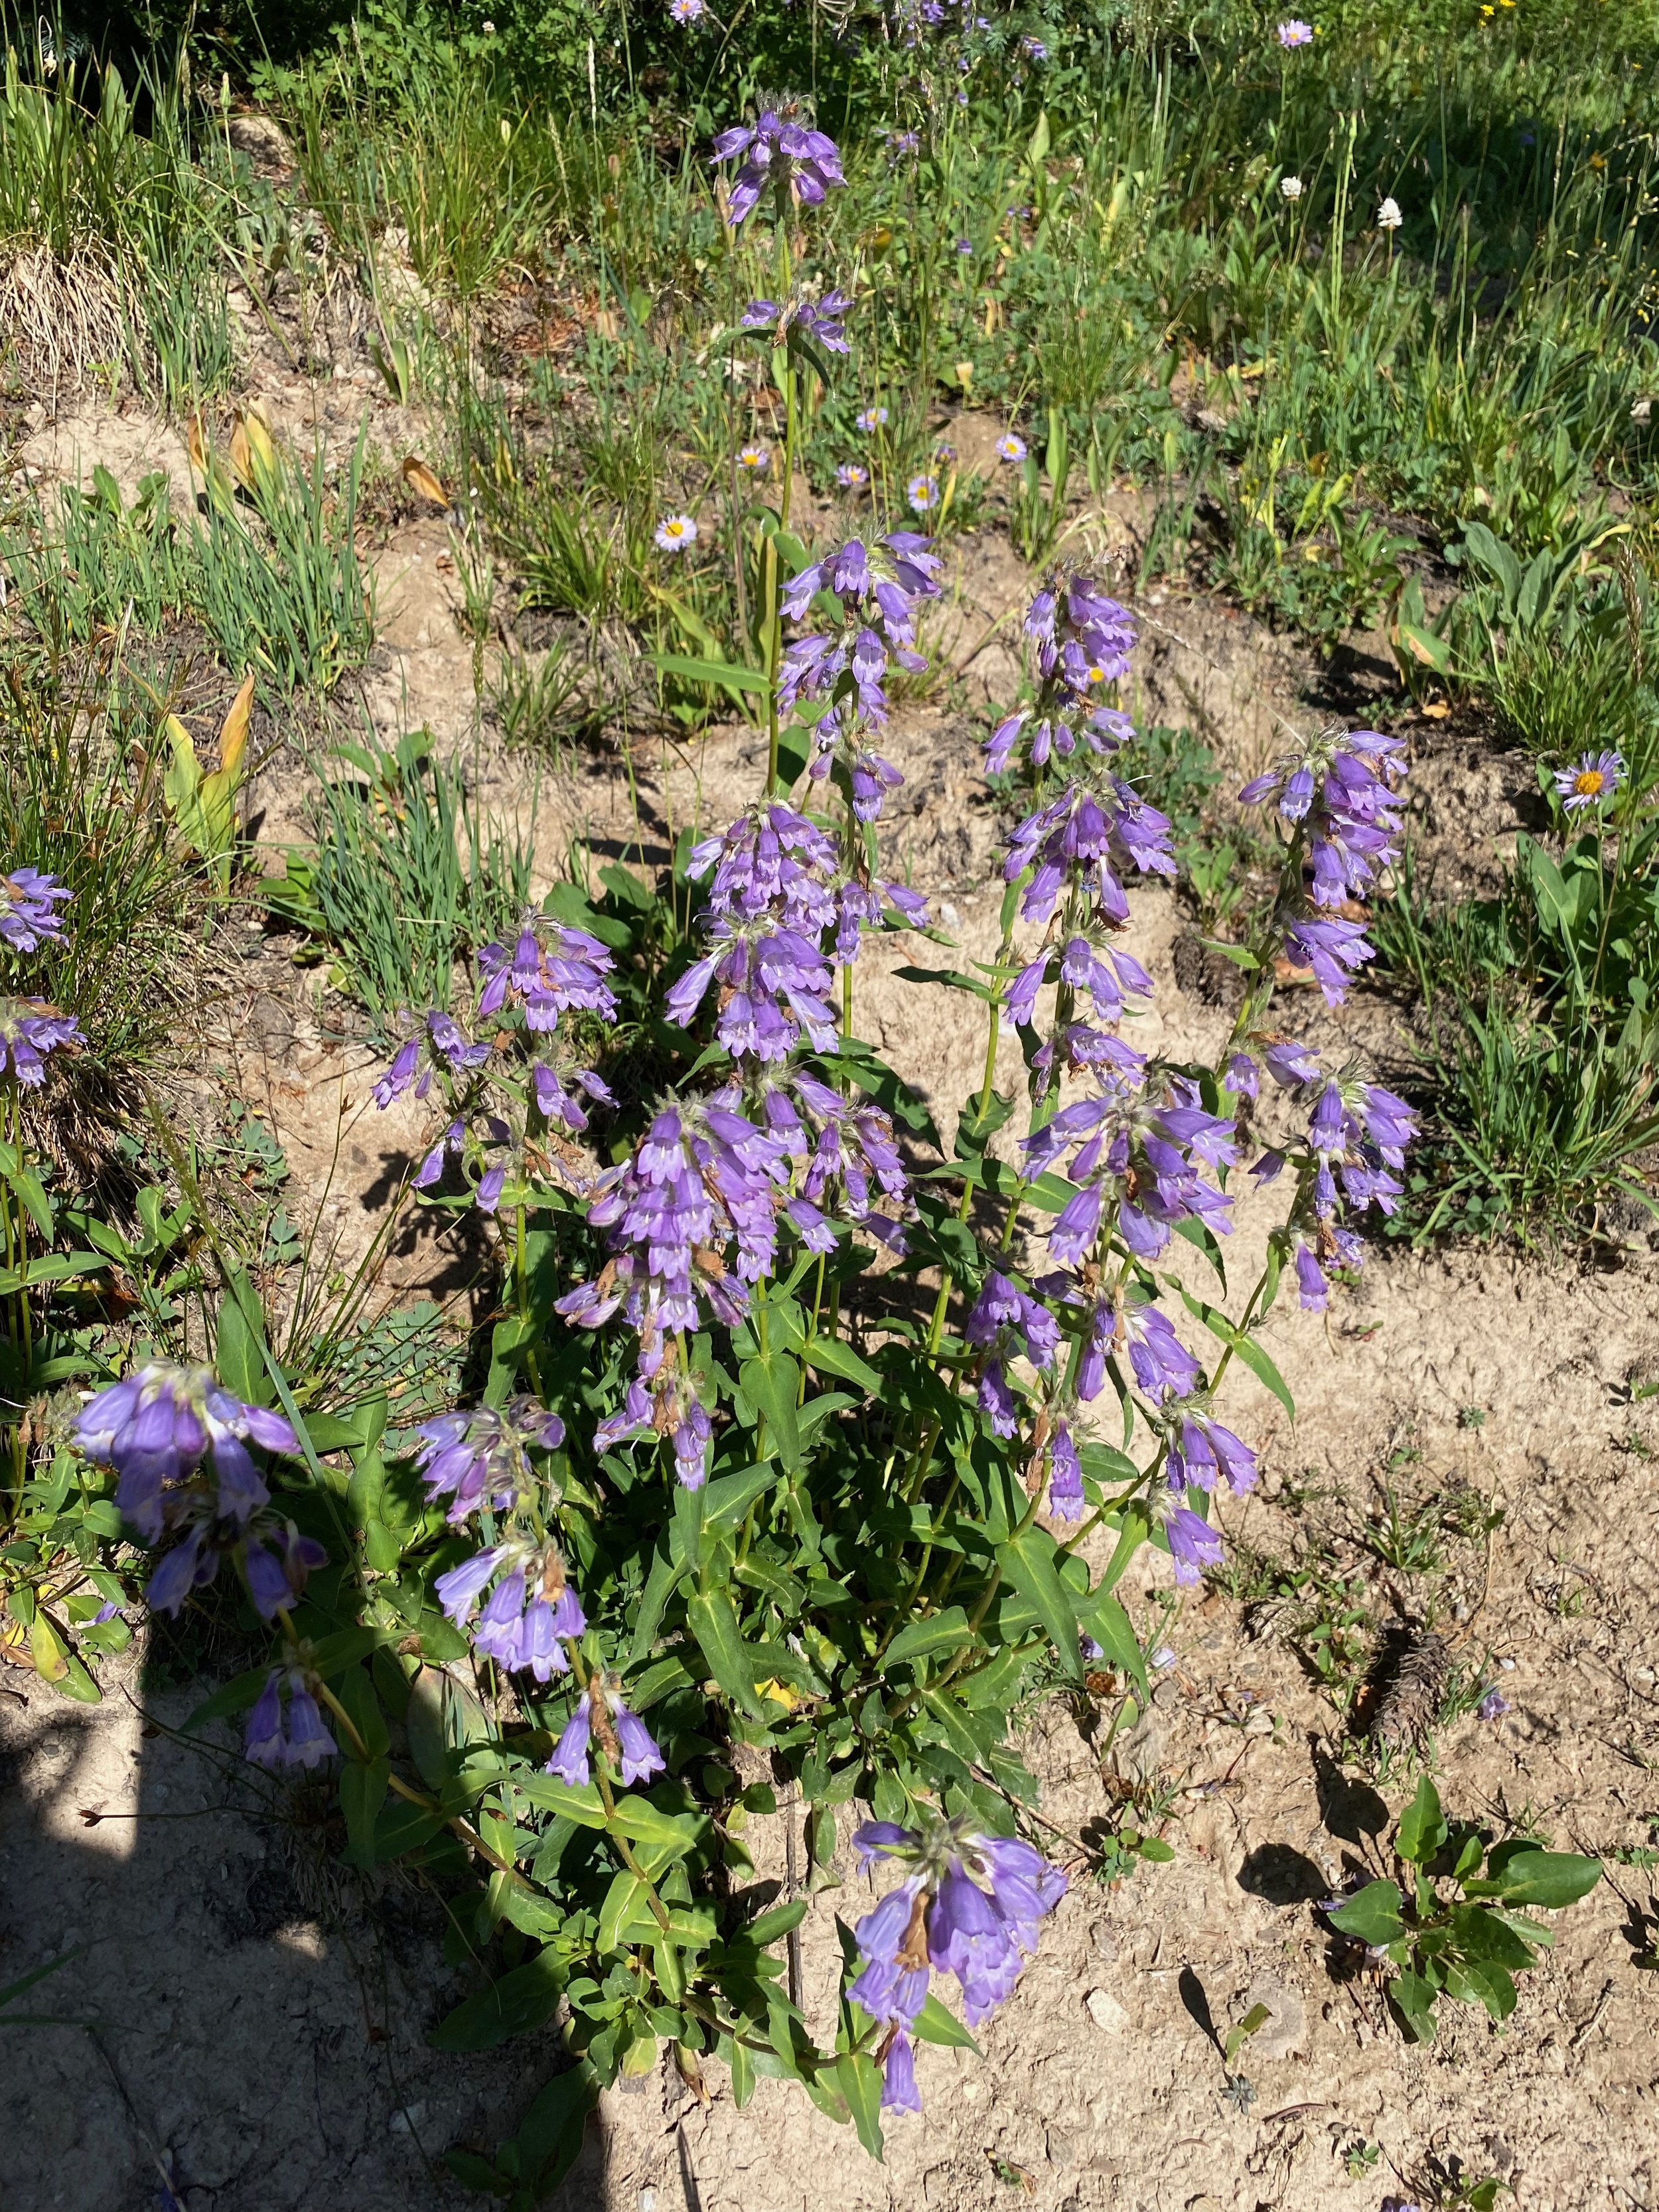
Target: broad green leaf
(362,1793)
(582,1805)
(549,2137)
(721,672)
(830,1356)
(624,1895)
(1028,1561)
(859,2079)
(239,1343)
(1103,1617)
(710,1617)
(1549,1879)
(1422,1825)
(1477,1932)
(772,1925)
(647,1618)
(1244,1347)
(1372,1915)
(725,1503)
(1414,1998)
(518,2004)
(648,1824)
(771,1382)
(940,1631)
(934,2023)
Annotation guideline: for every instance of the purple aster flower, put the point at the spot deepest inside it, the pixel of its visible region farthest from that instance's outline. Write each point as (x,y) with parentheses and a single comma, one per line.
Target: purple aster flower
(1595,781)
(1194,1547)
(29,1030)
(28,914)
(570,1759)
(156,1427)
(478,1458)
(798,163)
(298,1737)
(1295,32)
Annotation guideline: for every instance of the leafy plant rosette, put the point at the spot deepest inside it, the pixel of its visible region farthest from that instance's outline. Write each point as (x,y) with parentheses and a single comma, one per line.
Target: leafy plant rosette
(1460,1922)
(790,1460)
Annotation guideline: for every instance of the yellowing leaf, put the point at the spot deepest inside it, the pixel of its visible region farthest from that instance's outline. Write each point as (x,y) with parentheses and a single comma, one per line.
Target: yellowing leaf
(47,1651)
(233,738)
(420,479)
(253,455)
(779,1694)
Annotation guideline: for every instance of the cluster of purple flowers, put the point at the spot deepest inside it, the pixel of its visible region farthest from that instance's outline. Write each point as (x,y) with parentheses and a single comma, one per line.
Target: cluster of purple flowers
(600,1715)
(30,1029)
(1082,642)
(970,1904)
(1349,1159)
(1005,1322)
(819,318)
(878,587)
(800,163)
(28,910)
(551,970)
(179,1442)
(1141,1152)
(1338,796)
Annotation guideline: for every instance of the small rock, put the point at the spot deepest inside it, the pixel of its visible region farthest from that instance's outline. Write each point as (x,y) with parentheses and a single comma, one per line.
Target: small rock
(260,138)
(1203,2202)
(1060,2148)
(1107,2013)
(949,916)
(1104,1942)
(1283,2032)
(407,2119)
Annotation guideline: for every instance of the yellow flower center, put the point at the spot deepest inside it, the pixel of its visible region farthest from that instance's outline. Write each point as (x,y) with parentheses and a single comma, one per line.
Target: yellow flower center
(1588,782)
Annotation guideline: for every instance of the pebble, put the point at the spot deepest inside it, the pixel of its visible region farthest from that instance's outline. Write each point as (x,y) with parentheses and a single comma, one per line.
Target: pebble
(407,2119)
(1107,2013)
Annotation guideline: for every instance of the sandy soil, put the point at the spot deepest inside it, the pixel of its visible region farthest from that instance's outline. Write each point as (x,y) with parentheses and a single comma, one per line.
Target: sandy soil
(249,2027)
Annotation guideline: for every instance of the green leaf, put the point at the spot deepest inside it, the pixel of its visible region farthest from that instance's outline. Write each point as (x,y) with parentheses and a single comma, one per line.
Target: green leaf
(940,1631)
(1028,1561)
(1244,1347)
(771,1382)
(582,1805)
(1549,1879)
(712,1620)
(935,2024)
(625,1893)
(1422,1825)
(1413,1999)
(1103,1617)
(238,1345)
(1478,1933)
(770,1926)
(362,1792)
(518,2004)
(725,1503)
(647,1618)
(721,672)
(830,1356)
(859,2079)
(549,2137)
(1372,1915)
(646,1823)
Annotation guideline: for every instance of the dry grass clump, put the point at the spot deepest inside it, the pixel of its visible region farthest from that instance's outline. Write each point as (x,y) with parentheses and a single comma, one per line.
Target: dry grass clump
(60,316)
